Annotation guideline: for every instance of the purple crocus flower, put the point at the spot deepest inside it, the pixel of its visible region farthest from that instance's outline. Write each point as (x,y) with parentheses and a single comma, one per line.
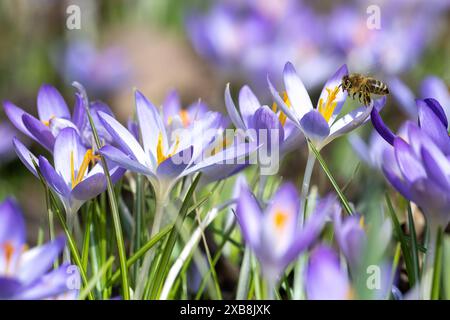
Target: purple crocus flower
(254,116)
(320,124)
(161,160)
(54,115)
(72,178)
(274,234)
(27,273)
(418,167)
(325,278)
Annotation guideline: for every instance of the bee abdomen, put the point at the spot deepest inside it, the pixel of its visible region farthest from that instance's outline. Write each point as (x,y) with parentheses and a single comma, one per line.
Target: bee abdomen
(378,87)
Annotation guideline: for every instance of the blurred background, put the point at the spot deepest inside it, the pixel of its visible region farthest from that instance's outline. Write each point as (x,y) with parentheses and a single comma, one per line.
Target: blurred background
(197,46)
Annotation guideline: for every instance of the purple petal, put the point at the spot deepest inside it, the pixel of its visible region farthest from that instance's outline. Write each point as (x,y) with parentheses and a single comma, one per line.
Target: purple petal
(41,133)
(174,166)
(171,105)
(9,288)
(53,284)
(26,156)
(12,224)
(314,126)
(68,148)
(265,119)
(232,111)
(15,114)
(436,165)
(249,216)
(433,126)
(123,138)
(325,280)
(296,91)
(79,112)
(381,128)
(115,155)
(409,165)
(436,107)
(392,173)
(51,104)
(248,104)
(434,87)
(37,261)
(54,180)
(90,187)
(288,111)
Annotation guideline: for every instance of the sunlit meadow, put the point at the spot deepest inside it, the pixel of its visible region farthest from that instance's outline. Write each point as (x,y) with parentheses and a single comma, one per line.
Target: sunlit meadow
(209,150)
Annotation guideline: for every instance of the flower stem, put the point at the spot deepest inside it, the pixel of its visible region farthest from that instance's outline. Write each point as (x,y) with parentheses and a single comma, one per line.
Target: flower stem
(306,182)
(428,268)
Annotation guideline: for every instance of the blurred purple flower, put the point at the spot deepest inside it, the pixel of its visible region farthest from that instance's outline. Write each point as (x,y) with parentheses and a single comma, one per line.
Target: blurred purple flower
(274,234)
(27,273)
(325,278)
(371,153)
(54,115)
(102,71)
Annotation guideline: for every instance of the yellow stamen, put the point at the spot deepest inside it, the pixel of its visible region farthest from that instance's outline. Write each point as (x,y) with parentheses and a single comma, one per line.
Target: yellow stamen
(280,219)
(327,108)
(221,144)
(169,120)
(160,149)
(88,158)
(282,117)
(47,122)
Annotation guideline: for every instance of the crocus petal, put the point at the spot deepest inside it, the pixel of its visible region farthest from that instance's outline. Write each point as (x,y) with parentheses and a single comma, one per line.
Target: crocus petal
(68,150)
(381,128)
(124,138)
(332,83)
(26,156)
(325,279)
(392,173)
(15,114)
(432,125)
(434,87)
(12,224)
(9,288)
(404,96)
(53,284)
(409,165)
(296,91)
(79,112)
(51,104)
(173,167)
(249,217)
(288,111)
(280,221)
(171,105)
(39,131)
(37,261)
(54,180)
(232,111)
(151,126)
(248,104)
(314,126)
(436,165)
(121,159)
(90,187)
(265,119)
(436,107)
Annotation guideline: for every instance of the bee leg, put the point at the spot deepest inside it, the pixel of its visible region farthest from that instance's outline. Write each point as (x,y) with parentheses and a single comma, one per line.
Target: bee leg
(367,100)
(353,96)
(359,97)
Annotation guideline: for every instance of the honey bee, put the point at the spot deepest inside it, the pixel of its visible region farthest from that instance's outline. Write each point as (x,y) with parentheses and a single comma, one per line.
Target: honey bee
(356,83)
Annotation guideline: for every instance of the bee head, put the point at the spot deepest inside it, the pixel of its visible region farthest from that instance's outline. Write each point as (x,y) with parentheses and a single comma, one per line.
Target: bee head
(346,83)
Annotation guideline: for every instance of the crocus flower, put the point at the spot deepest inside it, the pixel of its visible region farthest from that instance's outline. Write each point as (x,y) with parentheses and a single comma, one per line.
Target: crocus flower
(27,273)
(430,87)
(325,278)
(418,167)
(274,234)
(54,115)
(72,178)
(161,160)
(253,115)
(320,125)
